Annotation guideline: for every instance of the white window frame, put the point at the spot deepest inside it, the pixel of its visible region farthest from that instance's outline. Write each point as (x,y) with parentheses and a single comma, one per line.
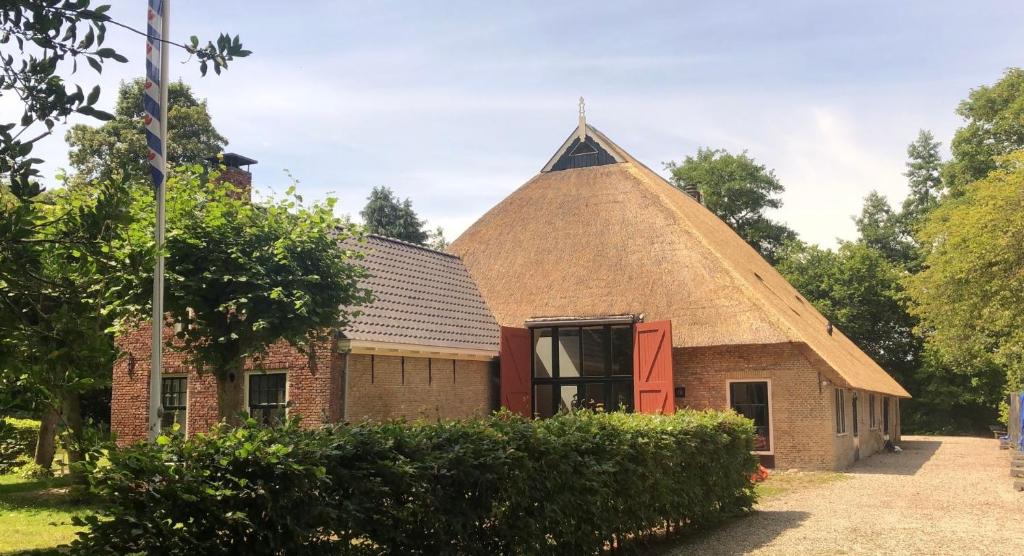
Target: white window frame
(188,382)
(840,408)
(287,387)
(771,410)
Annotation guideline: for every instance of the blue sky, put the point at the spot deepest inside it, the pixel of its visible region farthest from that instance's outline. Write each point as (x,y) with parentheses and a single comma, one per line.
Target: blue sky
(456,104)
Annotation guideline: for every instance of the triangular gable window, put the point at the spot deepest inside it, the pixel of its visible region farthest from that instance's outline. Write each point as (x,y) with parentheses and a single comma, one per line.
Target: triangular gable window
(581,154)
(582,149)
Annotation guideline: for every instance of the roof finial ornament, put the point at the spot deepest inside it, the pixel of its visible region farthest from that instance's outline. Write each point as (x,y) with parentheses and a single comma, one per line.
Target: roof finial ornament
(582,130)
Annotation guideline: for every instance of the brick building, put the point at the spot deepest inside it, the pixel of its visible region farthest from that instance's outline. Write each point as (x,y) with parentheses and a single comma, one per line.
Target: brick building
(597,260)
(426,347)
(612,289)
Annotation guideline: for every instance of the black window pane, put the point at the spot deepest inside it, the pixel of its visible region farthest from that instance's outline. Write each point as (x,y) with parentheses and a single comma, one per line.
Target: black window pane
(595,351)
(543,402)
(750,399)
(622,396)
(622,350)
(594,395)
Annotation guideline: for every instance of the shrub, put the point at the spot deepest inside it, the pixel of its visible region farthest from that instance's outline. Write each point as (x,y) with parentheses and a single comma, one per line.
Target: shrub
(17,440)
(497,485)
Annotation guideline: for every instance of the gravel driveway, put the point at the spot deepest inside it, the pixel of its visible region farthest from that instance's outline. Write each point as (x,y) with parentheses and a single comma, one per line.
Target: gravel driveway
(942,495)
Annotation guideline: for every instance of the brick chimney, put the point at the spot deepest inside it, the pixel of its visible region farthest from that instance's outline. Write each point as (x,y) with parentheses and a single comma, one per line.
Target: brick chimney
(235,171)
(693,190)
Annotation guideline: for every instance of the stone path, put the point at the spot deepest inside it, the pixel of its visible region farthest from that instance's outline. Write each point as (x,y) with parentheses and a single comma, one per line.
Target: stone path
(941,495)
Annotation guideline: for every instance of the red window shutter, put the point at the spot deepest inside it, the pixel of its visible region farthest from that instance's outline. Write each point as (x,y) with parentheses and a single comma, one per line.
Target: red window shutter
(515,370)
(652,367)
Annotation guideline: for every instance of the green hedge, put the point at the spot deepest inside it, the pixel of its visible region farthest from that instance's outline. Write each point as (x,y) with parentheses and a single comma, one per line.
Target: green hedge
(17,440)
(496,485)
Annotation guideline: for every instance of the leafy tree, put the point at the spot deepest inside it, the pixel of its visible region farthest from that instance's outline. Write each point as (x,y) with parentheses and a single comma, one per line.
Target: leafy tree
(739,191)
(995,126)
(117,149)
(969,294)
(437,240)
(387,215)
(53,319)
(883,229)
(924,176)
(859,290)
(244,275)
(51,245)
(42,38)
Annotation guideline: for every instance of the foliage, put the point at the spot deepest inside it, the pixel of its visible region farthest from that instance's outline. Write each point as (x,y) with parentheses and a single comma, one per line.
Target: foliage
(496,485)
(995,127)
(884,230)
(387,215)
(739,191)
(41,39)
(53,267)
(924,177)
(53,321)
(859,290)
(437,241)
(241,275)
(17,441)
(969,294)
(117,149)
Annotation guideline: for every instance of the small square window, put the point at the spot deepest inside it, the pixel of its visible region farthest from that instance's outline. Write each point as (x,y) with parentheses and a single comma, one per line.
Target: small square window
(174,399)
(267,397)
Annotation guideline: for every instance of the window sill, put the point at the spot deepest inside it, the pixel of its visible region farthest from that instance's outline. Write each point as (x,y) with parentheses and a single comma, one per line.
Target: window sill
(842,434)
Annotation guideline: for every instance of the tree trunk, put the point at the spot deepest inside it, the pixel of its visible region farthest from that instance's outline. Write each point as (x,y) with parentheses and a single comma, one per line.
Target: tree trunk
(46,446)
(229,395)
(72,411)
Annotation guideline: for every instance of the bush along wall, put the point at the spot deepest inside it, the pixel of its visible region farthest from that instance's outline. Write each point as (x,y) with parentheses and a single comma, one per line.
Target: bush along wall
(572,484)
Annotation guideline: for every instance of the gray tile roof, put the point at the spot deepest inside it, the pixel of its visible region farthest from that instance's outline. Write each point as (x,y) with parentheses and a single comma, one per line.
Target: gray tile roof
(422,297)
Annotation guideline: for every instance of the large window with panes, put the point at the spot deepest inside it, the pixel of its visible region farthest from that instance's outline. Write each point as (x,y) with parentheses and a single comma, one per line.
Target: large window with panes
(267,396)
(582,367)
(174,399)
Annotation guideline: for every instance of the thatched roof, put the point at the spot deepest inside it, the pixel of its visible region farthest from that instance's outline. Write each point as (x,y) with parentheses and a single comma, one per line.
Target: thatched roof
(618,239)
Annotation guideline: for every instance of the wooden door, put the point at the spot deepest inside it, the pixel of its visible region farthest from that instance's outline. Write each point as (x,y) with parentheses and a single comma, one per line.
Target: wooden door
(652,368)
(515,377)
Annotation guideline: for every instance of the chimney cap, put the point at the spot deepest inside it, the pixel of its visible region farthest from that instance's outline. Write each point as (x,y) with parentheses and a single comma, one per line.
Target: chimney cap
(232,160)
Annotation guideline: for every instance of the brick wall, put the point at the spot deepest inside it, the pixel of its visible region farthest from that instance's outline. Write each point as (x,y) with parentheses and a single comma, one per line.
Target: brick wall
(802,400)
(311,385)
(801,410)
(381,387)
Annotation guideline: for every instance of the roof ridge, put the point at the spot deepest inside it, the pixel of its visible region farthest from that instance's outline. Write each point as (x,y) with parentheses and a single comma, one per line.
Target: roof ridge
(410,244)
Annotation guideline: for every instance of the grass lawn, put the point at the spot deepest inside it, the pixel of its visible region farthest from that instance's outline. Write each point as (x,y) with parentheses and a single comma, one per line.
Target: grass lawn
(35,515)
(785,482)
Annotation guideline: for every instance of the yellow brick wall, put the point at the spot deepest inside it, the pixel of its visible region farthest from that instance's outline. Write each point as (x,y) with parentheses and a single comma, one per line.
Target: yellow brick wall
(801,409)
(378,387)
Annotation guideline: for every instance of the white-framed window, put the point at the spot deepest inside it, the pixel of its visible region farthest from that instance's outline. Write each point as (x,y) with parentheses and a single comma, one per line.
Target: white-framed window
(840,411)
(872,411)
(266,396)
(174,399)
(752,398)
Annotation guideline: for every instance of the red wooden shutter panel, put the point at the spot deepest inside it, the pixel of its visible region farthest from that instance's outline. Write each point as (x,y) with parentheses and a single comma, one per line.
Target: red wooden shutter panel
(652,368)
(515,370)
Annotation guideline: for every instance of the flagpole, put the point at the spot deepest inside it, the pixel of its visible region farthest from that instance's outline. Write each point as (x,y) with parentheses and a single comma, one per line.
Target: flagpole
(162,9)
